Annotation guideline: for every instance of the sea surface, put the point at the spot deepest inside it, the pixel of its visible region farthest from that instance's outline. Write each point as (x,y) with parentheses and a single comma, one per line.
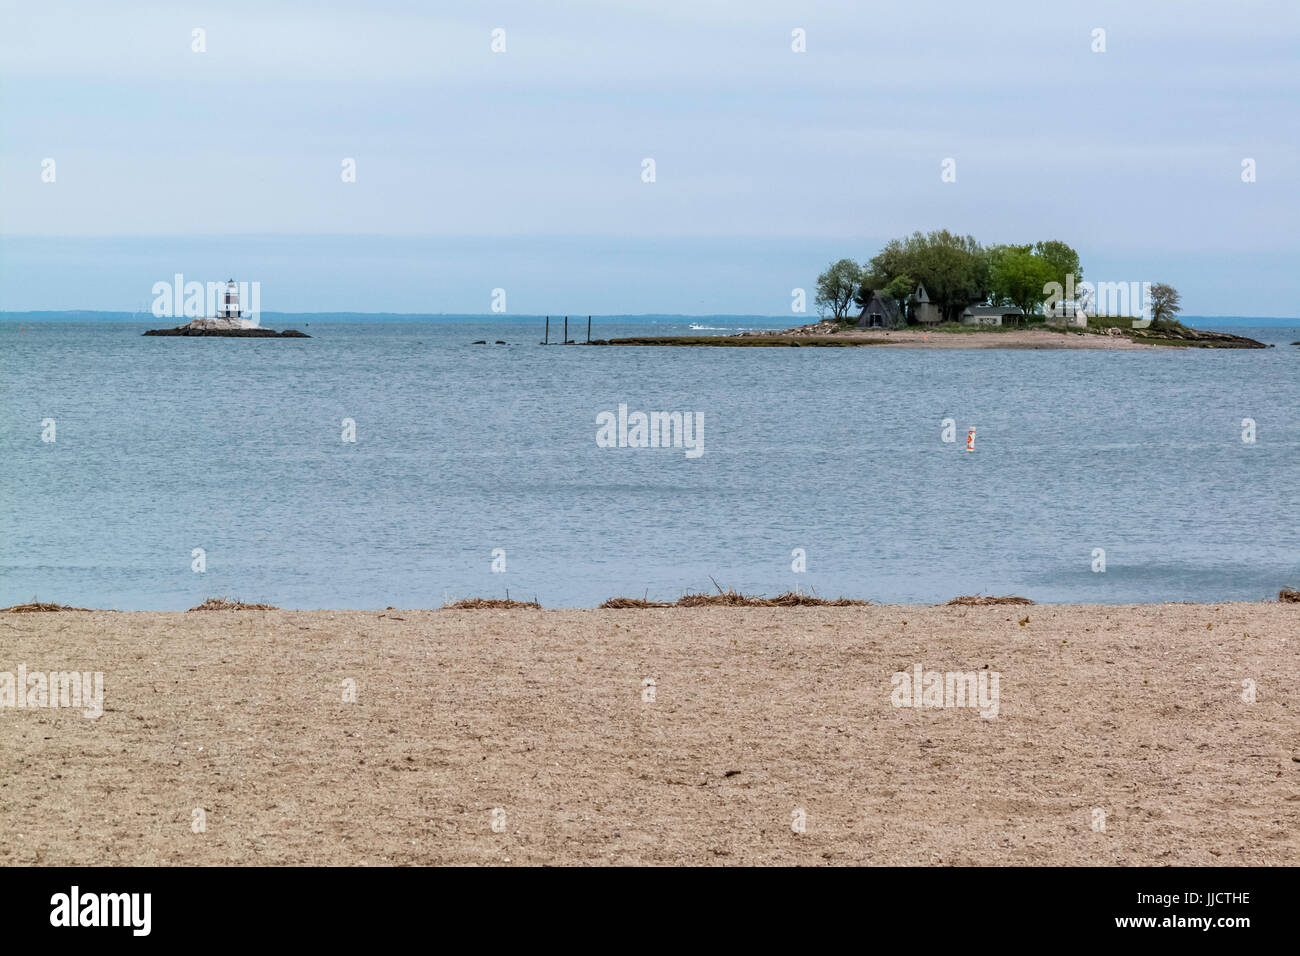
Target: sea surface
(234,446)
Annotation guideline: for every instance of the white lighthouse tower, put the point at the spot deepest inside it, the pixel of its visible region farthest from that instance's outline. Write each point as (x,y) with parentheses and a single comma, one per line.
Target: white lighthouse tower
(229,313)
(230,303)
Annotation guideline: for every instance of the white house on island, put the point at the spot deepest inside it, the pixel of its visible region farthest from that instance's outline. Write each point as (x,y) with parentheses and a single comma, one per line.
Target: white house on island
(991,314)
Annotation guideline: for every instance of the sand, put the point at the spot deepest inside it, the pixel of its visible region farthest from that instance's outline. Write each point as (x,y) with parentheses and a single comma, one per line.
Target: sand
(1010,339)
(1136,712)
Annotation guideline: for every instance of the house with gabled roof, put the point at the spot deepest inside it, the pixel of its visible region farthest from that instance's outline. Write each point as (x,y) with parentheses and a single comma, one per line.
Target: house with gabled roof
(924,312)
(881,313)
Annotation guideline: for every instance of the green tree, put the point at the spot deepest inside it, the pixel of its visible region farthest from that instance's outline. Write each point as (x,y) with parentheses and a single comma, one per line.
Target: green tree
(1062,259)
(1164,302)
(867,286)
(954,269)
(836,288)
(898,289)
(1017,275)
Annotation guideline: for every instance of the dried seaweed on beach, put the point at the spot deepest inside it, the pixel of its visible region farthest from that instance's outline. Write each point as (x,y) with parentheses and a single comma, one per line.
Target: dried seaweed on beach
(218,604)
(622,603)
(37,607)
(727,598)
(796,599)
(482,604)
(1289,596)
(980,600)
(730,598)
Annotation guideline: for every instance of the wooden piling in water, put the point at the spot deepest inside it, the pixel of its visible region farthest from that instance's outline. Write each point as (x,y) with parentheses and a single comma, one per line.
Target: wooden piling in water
(547,340)
(565,340)
(588,330)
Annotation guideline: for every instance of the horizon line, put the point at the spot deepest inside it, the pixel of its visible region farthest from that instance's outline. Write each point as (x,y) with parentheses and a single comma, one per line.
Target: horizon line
(540,315)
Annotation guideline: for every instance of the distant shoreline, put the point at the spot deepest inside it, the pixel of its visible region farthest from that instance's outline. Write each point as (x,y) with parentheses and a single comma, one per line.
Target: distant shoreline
(126,315)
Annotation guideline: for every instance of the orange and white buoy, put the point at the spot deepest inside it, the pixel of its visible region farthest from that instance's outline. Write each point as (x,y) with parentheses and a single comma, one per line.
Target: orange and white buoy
(970,439)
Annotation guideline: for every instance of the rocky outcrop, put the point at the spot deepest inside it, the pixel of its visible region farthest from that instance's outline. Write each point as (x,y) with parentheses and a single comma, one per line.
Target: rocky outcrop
(1176,334)
(253,333)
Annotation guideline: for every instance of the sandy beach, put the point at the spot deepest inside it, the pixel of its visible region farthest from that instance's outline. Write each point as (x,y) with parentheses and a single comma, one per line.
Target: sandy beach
(830,335)
(914,338)
(1128,715)
(1038,338)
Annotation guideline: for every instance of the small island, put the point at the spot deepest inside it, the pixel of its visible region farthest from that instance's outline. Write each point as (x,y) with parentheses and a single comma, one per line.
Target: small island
(226,330)
(229,321)
(946,291)
(952,336)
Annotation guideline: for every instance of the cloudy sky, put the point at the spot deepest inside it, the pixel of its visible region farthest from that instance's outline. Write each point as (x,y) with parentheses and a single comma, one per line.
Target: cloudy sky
(523,169)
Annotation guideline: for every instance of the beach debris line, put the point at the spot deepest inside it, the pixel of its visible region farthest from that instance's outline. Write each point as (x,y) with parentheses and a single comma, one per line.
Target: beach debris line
(733,598)
(486,604)
(624,603)
(38,607)
(730,598)
(219,604)
(982,600)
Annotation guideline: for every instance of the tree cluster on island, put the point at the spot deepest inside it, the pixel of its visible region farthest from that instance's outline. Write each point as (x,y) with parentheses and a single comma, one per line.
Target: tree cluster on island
(957,272)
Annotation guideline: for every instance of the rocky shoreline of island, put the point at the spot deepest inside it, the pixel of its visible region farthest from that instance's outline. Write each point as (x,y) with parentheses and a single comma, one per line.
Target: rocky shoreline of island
(229,328)
(830,334)
(253,333)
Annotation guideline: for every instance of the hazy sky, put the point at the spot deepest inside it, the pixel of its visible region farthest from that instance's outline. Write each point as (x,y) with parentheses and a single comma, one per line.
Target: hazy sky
(523,170)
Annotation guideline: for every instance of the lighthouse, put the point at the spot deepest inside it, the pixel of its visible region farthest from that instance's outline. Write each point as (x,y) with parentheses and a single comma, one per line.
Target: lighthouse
(235,308)
(230,302)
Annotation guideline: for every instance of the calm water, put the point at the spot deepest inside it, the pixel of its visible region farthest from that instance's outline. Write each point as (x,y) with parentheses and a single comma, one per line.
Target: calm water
(233,446)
